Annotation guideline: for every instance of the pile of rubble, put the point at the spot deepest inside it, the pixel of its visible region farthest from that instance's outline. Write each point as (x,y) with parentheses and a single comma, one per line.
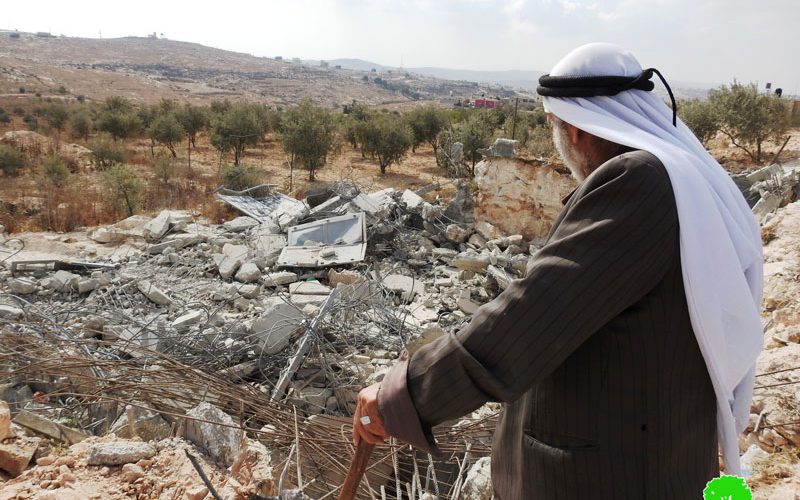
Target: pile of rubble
(300,302)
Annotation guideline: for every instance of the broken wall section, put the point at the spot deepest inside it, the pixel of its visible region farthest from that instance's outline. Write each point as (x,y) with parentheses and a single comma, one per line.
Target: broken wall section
(520,196)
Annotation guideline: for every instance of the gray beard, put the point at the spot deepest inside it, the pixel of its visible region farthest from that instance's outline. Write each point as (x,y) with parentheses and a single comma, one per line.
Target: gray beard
(577,162)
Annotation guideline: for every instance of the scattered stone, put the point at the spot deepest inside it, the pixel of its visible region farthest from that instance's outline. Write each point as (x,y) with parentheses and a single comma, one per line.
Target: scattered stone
(131,472)
(118,452)
(17,454)
(153,294)
(220,441)
(248,273)
(10,312)
(502,279)
(22,286)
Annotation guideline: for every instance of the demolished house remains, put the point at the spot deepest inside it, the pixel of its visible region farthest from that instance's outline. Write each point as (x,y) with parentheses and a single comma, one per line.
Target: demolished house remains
(187,359)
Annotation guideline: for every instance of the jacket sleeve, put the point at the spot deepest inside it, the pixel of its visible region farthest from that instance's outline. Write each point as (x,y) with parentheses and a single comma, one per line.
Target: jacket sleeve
(613,245)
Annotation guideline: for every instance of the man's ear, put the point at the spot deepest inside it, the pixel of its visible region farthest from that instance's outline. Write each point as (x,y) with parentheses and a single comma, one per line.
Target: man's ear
(573,133)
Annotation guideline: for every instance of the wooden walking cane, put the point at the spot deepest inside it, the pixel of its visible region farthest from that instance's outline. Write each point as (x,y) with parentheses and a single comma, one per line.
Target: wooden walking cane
(357,468)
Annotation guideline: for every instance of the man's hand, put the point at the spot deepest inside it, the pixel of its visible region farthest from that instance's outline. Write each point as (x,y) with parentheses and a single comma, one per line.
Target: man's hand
(367,406)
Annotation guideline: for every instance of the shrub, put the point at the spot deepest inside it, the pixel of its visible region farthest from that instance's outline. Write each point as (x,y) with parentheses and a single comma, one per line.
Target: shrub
(55,170)
(164,168)
(31,122)
(4,118)
(62,89)
(125,188)
(540,142)
(167,130)
(240,177)
(81,124)
(11,159)
(106,152)
(22,90)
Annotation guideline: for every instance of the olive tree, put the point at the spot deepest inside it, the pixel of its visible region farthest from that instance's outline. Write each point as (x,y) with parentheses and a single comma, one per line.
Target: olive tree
(387,138)
(240,125)
(748,118)
(700,117)
(309,135)
(426,123)
(167,130)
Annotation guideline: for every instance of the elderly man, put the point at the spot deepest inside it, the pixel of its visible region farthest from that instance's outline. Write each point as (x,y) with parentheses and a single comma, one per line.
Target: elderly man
(625,356)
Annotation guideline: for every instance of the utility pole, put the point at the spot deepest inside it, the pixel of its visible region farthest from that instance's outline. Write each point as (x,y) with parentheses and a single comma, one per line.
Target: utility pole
(514,121)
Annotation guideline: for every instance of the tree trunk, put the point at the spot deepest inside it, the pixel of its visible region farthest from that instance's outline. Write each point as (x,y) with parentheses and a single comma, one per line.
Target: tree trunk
(172,150)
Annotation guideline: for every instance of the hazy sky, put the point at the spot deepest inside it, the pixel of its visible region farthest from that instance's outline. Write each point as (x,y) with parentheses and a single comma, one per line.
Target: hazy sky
(710,41)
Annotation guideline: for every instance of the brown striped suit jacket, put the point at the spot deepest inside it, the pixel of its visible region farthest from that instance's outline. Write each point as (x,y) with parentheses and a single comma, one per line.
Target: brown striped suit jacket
(606,392)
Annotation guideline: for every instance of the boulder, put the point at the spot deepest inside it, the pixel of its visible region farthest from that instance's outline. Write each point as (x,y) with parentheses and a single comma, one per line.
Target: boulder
(274,329)
(22,286)
(118,452)
(222,442)
(248,273)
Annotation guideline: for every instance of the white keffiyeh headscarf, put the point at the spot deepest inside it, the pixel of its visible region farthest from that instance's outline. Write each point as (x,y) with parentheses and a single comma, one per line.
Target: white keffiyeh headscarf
(720,243)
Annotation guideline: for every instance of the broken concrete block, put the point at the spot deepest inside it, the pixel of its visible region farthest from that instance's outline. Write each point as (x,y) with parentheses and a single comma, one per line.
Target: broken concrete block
(222,442)
(106,235)
(175,243)
(347,277)
(406,285)
(288,212)
(766,205)
(456,233)
(147,424)
(269,246)
(16,395)
(87,285)
(466,304)
(431,212)
(118,452)
(478,484)
(500,276)
(308,288)
(412,200)
(234,256)
(153,294)
(62,281)
(5,420)
(240,224)
(249,291)
(301,300)
(274,329)
(280,278)
(158,227)
(471,262)
(22,286)
(49,428)
(488,231)
(189,319)
(248,273)
(17,454)
(10,312)
(477,240)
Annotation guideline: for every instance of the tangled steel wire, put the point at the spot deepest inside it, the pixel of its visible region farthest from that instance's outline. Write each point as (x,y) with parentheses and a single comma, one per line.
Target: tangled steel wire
(88,382)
